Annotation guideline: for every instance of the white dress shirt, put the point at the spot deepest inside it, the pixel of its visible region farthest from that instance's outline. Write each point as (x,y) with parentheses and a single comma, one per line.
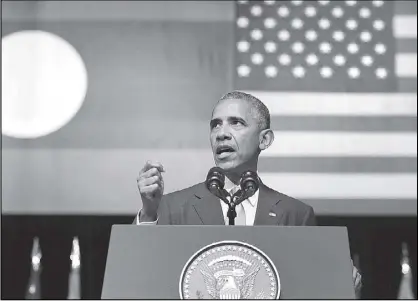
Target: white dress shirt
(250,207)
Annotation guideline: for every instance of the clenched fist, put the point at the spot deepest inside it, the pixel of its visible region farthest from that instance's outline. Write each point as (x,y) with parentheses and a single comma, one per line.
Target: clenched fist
(151,188)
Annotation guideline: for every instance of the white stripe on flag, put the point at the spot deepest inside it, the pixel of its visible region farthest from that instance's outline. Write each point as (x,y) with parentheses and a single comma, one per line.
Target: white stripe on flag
(340,104)
(112,187)
(405,26)
(296,143)
(345,186)
(406,64)
(364,207)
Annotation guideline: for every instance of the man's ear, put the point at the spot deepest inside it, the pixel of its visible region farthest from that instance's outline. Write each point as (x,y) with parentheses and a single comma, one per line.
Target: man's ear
(266,138)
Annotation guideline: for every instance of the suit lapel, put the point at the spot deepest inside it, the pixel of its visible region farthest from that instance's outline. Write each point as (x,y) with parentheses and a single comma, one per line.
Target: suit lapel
(209,211)
(208,207)
(268,212)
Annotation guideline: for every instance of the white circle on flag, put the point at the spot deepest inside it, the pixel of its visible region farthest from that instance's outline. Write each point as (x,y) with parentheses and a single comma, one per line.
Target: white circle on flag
(325,47)
(297,2)
(283,35)
(298,47)
(310,11)
(283,11)
(337,12)
(270,23)
(366,36)
(285,59)
(365,12)
(298,72)
(244,71)
(271,71)
(243,46)
(256,34)
(311,35)
(326,72)
(367,60)
(353,48)
(378,3)
(257,58)
(270,47)
(339,60)
(324,23)
(338,35)
(354,72)
(379,25)
(243,22)
(44,83)
(381,73)
(297,23)
(351,24)
(312,59)
(380,48)
(256,10)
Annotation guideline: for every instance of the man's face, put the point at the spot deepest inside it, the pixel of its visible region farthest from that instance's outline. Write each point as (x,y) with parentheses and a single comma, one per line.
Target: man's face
(234,135)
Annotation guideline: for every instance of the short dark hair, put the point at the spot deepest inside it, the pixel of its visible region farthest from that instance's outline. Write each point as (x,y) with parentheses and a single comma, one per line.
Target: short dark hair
(257,106)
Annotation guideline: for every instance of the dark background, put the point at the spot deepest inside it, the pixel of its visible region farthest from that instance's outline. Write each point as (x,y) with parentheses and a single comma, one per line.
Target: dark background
(377,240)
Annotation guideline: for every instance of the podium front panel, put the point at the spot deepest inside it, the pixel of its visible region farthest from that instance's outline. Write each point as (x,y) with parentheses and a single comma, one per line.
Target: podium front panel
(146,262)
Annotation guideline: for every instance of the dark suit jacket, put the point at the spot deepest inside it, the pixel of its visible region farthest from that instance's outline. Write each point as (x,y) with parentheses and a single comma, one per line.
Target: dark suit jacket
(197,206)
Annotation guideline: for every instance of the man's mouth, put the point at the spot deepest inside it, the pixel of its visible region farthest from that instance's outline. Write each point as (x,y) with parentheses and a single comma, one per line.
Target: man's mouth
(224,151)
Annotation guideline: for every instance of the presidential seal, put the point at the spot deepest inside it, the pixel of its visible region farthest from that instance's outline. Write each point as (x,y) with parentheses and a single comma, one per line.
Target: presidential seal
(229,270)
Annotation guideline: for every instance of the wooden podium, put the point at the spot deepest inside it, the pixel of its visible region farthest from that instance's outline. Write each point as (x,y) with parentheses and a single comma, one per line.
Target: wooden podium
(146,262)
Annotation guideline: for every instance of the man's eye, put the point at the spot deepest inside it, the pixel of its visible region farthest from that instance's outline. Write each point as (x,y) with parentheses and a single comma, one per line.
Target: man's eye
(237,122)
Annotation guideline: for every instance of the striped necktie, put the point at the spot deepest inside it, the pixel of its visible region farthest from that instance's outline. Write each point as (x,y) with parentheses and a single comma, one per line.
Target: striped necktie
(240,219)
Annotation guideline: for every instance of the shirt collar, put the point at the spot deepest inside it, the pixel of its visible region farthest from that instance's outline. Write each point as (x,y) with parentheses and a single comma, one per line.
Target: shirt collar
(229,185)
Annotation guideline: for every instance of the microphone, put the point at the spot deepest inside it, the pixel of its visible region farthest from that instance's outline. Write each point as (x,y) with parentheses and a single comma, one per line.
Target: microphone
(249,184)
(215,182)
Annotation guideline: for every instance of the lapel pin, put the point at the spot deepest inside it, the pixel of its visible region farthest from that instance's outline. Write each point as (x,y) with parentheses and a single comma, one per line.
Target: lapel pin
(272,214)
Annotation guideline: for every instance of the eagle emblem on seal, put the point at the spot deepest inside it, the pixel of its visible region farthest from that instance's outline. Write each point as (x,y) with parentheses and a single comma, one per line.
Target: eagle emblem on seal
(229,270)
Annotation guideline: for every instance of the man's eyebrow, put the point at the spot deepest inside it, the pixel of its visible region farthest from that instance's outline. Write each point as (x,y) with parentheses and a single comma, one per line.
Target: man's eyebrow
(214,121)
(235,118)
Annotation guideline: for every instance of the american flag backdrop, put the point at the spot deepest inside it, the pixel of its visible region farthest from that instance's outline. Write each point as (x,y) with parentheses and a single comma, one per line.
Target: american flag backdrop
(339,78)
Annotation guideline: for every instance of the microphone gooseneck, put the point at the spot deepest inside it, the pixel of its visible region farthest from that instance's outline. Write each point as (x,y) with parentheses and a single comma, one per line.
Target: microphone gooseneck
(215,179)
(215,182)
(249,184)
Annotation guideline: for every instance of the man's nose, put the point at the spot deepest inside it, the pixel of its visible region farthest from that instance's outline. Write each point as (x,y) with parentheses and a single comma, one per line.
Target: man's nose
(223,134)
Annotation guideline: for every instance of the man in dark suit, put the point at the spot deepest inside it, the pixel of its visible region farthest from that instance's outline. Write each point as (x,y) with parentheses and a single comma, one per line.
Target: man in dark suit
(239,132)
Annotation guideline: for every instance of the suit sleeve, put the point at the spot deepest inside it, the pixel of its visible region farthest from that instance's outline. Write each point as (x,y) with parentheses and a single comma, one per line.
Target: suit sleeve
(309,219)
(138,223)
(163,215)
